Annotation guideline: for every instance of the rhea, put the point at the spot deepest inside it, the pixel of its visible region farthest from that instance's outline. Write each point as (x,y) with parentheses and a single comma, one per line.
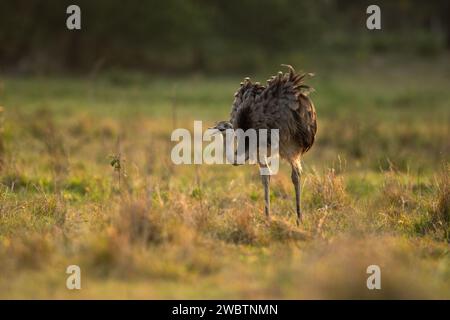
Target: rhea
(282,104)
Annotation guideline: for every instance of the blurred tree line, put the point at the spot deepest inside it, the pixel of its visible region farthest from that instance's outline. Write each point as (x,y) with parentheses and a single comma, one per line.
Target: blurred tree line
(206,35)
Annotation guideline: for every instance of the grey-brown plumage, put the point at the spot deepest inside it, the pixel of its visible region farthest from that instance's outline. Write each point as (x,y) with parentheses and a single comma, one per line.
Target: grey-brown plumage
(282,104)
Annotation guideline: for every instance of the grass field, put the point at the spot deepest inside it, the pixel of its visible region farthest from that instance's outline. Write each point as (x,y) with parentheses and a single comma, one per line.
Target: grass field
(376,190)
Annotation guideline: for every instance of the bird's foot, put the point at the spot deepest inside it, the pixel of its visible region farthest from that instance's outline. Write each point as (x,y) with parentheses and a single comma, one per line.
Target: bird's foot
(268,221)
(298,220)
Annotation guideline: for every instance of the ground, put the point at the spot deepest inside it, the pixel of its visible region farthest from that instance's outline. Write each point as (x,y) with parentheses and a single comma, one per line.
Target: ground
(86,179)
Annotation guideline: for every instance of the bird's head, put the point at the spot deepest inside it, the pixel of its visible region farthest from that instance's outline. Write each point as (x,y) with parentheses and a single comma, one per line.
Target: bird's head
(222,127)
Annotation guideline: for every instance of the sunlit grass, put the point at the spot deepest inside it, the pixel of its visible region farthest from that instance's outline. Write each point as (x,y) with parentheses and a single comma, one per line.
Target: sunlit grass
(375,191)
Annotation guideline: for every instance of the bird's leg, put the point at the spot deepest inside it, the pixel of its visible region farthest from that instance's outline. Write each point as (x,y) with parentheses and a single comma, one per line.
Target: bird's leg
(264,171)
(295,176)
(265,180)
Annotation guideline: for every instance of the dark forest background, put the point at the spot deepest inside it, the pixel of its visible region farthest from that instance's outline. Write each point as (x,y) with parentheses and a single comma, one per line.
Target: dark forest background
(176,36)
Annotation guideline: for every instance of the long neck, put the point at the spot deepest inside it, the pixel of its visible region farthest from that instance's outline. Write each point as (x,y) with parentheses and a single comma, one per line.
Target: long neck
(231,148)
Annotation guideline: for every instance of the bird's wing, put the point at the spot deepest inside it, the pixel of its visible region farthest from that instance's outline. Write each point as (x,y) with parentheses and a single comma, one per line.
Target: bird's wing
(245,97)
(282,104)
(288,106)
(285,90)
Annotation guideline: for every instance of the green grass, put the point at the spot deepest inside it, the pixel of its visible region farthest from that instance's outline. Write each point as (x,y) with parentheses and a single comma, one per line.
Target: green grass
(376,191)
